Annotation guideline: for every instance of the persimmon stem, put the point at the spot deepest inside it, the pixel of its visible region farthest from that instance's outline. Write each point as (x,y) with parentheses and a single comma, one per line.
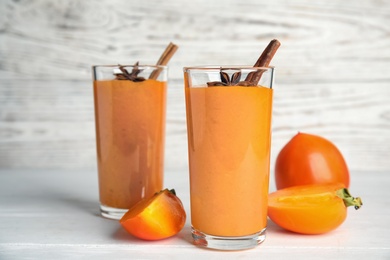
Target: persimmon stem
(348,199)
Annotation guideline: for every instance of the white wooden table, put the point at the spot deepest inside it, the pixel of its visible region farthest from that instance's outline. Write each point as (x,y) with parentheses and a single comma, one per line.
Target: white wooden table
(53,214)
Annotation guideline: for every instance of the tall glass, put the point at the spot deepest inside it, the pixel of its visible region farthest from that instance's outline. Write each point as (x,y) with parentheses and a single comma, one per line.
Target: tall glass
(130,107)
(229,136)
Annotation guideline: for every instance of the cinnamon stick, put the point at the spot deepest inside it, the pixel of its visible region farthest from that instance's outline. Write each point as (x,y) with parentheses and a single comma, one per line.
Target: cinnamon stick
(263,61)
(164,59)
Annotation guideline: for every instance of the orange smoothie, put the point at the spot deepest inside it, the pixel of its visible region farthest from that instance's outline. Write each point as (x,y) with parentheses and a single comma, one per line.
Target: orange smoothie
(130,128)
(229,137)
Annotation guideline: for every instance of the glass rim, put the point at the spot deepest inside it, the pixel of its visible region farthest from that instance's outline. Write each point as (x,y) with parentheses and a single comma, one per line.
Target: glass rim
(131,66)
(226,67)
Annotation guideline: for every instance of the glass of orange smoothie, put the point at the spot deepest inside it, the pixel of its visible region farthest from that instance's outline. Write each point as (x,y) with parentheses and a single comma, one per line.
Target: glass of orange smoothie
(130,107)
(229,136)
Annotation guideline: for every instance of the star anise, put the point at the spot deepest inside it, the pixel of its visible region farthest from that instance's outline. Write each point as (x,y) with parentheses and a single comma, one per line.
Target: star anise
(133,76)
(234,80)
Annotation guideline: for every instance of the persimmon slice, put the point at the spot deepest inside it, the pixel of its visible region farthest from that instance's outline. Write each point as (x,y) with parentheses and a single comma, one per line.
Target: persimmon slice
(311,209)
(155,218)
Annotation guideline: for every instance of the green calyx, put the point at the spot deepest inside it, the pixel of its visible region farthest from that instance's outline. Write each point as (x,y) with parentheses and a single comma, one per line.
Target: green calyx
(348,199)
(172,191)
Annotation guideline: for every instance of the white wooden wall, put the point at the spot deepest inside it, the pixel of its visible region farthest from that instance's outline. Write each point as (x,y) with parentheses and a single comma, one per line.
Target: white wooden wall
(333,70)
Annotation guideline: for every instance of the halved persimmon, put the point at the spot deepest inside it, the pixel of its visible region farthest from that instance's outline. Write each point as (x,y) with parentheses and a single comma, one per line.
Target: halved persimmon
(311,209)
(158,217)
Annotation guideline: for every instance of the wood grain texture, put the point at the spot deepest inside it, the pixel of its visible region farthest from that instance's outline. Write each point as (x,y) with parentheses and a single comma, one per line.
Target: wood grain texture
(55,216)
(332,70)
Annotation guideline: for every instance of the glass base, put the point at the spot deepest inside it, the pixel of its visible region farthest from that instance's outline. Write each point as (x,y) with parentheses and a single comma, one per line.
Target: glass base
(227,243)
(112,213)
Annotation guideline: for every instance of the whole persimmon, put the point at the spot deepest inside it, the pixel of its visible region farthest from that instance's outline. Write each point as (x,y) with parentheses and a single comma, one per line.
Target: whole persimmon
(155,218)
(310,159)
(311,209)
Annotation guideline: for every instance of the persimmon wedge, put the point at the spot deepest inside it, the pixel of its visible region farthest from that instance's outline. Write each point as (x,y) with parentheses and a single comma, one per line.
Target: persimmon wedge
(311,209)
(155,218)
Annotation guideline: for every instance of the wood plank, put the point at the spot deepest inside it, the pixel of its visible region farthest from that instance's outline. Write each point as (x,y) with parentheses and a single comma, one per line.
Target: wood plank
(60,131)
(58,212)
(332,70)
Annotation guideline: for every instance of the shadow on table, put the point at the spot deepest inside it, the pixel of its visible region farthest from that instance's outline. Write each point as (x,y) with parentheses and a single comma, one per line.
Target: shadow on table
(88,206)
(273,228)
(183,236)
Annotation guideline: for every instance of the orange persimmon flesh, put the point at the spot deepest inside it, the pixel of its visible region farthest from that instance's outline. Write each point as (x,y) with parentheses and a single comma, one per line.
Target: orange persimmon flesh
(311,209)
(158,217)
